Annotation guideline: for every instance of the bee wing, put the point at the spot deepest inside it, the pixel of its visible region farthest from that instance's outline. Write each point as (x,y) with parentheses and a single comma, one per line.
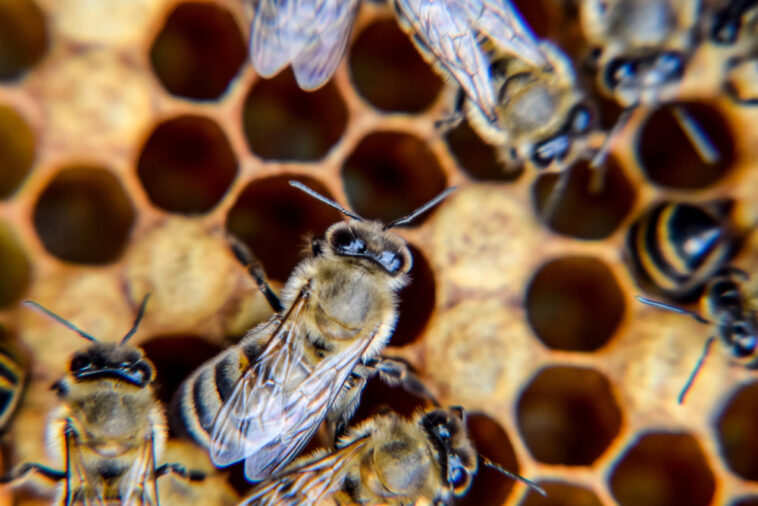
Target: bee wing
(79,477)
(277,32)
(310,482)
(140,478)
(316,63)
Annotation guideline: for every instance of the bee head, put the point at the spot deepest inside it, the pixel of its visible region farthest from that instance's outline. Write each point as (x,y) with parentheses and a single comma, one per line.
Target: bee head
(632,77)
(446,430)
(114,361)
(556,148)
(367,240)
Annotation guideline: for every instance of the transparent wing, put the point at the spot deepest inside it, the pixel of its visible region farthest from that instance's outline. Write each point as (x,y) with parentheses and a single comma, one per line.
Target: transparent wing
(138,486)
(310,482)
(316,63)
(82,487)
(278,32)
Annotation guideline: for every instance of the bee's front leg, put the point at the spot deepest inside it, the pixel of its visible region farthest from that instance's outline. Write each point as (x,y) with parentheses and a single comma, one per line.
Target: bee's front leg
(396,371)
(24,471)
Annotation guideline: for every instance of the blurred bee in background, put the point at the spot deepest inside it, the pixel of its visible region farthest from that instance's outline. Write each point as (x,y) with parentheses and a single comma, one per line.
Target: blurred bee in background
(310,35)
(385,460)
(642,48)
(262,399)
(13,377)
(109,430)
(734,24)
(730,304)
(676,247)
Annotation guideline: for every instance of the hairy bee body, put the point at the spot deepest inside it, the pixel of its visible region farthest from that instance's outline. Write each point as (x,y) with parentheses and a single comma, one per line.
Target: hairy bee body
(384,460)
(677,247)
(13,376)
(734,24)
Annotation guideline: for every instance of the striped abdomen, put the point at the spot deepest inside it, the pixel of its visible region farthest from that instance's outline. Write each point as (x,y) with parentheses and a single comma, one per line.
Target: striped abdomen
(12,382)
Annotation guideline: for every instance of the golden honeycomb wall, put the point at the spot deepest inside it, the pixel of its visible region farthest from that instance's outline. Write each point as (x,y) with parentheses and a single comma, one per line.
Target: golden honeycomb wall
(133,133)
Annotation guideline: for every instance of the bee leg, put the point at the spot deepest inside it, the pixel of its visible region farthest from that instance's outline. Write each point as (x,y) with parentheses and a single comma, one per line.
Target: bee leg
(255,269)
(180,471)
(395,371)
(454,119)
(342,411)
(25,470)
(559,189)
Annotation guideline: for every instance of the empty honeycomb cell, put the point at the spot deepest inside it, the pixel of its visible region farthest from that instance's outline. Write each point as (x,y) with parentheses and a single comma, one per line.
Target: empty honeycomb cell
(14,267)
(382,54)
(574,303)
(561,494)
(174,358)
(661,469)
(676,162)
(187,165)
(23,37)
(583,211)
(416,301)
(16,151)
(489,487)
(283,122)
(568,415)
(378,397)
(199,51)
(84,216)
(274,220)
(736,432)
(390,174)
(476,157)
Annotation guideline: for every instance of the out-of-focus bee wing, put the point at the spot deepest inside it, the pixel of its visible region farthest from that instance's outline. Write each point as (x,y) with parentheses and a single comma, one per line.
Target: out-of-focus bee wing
(309,483)
(79,477)
(138,487)
(274,35)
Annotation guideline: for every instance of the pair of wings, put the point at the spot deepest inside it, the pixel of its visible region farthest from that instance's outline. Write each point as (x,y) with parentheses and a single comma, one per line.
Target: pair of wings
(452,30)
(310,482)
(268,417)
(311,35)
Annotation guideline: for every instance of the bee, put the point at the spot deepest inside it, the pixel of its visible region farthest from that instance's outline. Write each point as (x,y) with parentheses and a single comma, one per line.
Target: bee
(109,429)
(13,377)
(734,24)
(311,35)
(449,35)
(262,399)
(385,460)
(677,247)
(732,312)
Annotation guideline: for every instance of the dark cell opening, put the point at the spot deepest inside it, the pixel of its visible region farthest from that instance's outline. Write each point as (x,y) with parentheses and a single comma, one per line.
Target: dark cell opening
(476,157)
(736,432)
(274,220)
(389,72)
(378,398)
(390,174)
(416,301)
(16,150)
(667,155)
(283,122)
(574,303)
(568,415)
(14,268)
(187,165)
(199,51)
(84,216)
(661,469)
(23,37)
(561,494)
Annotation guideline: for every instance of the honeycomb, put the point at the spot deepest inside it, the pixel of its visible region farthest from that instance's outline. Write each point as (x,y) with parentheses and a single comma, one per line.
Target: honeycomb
(133,134)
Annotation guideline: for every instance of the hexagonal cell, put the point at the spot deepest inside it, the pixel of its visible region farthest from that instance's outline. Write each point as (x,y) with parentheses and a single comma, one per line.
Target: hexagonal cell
(416,301)
(662,469)
(390,174)
(736,434)
(560,493)
(198,51)
(568,415)
(574,303)
(581,210)
(23,37)
(283,122)
(489,487)
(378,396)
(383,54)
(16,151)
(274,220)
(187,165)
(676,163)
(476,157)
(84,216)
(14,267)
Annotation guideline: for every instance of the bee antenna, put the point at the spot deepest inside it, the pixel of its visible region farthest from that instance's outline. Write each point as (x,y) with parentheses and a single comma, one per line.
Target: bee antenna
(696,370)
(318,196)
(669,307)
(60,320)
(697,137)
(487,462)
(137,320)
(421,210)
(599,159)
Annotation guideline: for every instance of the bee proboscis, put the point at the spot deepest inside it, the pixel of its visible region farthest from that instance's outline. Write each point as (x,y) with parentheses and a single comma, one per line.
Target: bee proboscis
(385,460)
(110,429)
(262,399)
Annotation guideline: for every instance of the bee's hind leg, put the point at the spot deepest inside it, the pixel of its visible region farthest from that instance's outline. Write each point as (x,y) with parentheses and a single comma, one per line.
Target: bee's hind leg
(26,470)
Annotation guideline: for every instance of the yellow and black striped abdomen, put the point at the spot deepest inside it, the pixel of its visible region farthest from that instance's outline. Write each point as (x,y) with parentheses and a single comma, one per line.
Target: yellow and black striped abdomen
(676,247)
(12,382)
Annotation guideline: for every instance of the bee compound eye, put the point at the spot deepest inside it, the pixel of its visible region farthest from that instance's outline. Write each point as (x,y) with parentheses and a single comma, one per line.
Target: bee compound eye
(457,477)
(745,340)
(619,72)
(391,261)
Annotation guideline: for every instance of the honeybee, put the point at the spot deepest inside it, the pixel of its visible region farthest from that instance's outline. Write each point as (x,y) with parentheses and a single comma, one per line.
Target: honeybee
(262,399)
(734,23)
(311,35)
(13,376)
(732,311)
(449,35)
(109,429)
(677,247)
(385,460)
